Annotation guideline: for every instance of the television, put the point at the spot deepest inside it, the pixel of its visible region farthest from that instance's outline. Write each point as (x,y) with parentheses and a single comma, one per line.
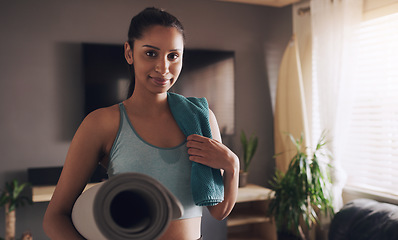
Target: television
(205,73)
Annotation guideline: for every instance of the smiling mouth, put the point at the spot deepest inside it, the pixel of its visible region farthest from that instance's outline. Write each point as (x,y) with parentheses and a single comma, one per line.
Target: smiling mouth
(160,81)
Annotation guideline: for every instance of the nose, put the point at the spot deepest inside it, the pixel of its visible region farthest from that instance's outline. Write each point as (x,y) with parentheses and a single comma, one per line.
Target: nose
(162,66)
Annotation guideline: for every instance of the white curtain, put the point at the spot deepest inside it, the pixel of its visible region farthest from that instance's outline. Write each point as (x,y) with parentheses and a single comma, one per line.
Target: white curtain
(333,30)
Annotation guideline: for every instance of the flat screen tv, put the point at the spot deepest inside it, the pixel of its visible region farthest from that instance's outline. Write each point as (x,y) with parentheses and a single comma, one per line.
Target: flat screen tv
(205,73)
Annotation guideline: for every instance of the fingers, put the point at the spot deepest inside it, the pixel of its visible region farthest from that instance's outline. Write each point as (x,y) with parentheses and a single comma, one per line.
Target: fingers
(204,150)
(198,148)
(211,153)
(196,138)
(198,142)
(198,159)
(195,152)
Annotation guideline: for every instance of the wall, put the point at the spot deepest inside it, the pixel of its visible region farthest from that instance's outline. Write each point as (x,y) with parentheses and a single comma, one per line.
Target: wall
(40,84)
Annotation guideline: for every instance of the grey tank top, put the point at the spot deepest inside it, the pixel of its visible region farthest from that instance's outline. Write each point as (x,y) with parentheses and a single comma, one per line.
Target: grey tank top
(170,166)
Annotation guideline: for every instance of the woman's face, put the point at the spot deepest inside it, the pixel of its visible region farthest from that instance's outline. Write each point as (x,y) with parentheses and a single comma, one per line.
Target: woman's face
(157,59)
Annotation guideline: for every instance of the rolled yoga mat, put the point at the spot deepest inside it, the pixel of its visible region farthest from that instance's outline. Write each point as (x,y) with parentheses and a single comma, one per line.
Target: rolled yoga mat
(127,206)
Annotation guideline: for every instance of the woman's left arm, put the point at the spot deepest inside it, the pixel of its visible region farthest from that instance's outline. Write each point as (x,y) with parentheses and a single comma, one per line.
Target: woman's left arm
(213,153)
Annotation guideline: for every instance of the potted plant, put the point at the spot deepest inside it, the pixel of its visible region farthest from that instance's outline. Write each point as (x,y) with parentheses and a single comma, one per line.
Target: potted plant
(11,199)
(302,192)
(249,148)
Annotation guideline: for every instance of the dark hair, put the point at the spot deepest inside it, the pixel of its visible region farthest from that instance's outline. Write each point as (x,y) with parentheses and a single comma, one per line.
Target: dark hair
(149,17)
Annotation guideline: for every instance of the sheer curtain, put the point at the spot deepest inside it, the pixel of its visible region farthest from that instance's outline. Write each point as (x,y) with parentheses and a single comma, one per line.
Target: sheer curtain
(333,27)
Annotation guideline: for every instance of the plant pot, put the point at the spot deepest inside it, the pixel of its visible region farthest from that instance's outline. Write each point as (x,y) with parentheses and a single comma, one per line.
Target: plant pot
(10,223)
(243,178)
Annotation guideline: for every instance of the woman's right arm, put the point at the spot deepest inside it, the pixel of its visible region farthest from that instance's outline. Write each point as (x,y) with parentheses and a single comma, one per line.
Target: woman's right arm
(85,152)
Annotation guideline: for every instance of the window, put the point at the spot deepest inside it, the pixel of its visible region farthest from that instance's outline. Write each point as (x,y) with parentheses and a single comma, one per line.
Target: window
(371,158)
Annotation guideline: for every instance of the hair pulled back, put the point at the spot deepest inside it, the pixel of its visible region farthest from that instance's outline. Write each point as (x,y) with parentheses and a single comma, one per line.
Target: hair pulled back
(141,22)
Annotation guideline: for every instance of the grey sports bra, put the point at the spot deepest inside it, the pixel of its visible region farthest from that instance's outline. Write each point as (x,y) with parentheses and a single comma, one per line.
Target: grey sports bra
(170,166)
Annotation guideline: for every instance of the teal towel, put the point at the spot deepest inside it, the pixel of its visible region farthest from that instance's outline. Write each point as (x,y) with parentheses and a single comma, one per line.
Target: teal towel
(192,116)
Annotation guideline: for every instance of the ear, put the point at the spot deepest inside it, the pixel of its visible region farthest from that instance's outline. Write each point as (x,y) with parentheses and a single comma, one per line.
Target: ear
(128,53)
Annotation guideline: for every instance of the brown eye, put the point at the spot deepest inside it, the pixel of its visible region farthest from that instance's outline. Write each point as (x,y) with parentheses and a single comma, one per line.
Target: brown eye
(173,56)
(151,54)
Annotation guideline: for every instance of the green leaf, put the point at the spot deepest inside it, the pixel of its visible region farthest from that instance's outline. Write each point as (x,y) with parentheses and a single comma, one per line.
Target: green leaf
(3,199)
(249,148)
(304,187)
(12,195)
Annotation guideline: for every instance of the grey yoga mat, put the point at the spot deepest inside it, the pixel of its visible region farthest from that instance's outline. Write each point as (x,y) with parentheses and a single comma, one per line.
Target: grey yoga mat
(127,206)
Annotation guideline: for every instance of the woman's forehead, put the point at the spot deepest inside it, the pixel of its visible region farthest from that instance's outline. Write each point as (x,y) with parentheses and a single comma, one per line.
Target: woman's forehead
(162,37)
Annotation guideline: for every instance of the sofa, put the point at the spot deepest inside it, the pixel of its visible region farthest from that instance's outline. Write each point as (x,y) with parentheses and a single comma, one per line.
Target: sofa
(367,219)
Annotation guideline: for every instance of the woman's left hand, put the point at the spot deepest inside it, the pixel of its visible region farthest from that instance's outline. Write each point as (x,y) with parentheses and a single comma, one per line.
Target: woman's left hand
(212,153)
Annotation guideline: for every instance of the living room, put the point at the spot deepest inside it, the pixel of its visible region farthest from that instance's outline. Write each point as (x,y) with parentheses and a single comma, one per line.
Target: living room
(41,83)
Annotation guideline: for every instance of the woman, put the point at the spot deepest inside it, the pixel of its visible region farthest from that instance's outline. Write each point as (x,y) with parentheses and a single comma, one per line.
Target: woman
(155,51)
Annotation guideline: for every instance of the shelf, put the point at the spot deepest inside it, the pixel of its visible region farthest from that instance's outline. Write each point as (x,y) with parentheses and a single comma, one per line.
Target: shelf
(249,220)
(246,218)
(253,192)
(264,231)
(44,193)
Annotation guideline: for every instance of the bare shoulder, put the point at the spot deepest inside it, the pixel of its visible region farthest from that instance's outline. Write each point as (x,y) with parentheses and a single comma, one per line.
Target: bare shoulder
(100,127)
(103,119)
(104,116)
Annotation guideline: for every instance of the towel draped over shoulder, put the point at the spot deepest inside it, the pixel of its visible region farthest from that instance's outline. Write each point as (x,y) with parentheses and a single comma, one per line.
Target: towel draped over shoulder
(192,116)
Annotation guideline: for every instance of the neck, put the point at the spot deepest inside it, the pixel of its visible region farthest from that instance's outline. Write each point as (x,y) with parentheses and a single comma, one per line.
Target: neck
(148,104)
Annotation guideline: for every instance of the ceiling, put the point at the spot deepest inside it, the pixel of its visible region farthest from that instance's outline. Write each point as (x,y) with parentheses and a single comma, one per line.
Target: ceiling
(271,3)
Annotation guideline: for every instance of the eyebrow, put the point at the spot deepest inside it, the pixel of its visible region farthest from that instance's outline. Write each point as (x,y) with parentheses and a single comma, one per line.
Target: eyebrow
(150,46)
